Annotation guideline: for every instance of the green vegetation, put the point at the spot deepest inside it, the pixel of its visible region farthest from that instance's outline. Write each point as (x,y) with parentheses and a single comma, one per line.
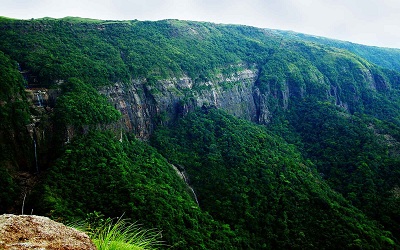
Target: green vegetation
(14,140)
(355,154)
(8,190)
(96,172)
(122,235)
(105,52)
(384,57)
(280,200)
(319,171)
(14,111)
(82,105)
(118,233)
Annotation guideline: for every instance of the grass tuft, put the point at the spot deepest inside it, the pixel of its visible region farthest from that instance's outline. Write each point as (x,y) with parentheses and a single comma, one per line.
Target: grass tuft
(119,235)
(124,235)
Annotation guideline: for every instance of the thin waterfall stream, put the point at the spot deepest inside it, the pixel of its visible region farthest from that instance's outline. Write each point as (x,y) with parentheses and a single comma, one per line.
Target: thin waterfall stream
(36,159)
(195,196)
(187,183)
(183,176)
(39,99)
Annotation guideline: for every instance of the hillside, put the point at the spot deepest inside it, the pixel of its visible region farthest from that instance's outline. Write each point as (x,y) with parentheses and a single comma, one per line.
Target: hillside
(384,57)
(221,136)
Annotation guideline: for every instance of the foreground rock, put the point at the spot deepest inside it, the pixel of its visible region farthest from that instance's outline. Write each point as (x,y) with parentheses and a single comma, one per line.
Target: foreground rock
(35,232)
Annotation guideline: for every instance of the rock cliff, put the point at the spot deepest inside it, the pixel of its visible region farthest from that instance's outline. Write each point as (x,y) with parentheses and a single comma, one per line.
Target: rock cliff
(254,94)
(145,105)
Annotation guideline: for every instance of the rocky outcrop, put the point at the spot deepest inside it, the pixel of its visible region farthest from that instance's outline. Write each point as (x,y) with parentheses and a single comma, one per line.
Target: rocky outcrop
(35,232)
(42,97)
(40,129)
(144,105)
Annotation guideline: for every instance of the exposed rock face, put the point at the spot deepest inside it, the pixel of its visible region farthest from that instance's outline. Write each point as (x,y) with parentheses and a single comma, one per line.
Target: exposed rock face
(143,104)
(42,97)
(35,232)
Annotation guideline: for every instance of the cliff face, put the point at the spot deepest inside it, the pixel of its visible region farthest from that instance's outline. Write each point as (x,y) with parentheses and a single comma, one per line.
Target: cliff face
(143,105)
(249,93)
(157,71)
(54,121)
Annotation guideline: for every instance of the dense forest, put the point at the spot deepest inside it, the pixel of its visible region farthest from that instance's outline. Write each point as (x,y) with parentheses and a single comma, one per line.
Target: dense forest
(219,136)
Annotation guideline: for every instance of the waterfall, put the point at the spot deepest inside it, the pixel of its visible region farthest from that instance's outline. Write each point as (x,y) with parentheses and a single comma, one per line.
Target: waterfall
(67,137)
(195,196)
(120,140)
(36,160)
(183,176)
(39,99)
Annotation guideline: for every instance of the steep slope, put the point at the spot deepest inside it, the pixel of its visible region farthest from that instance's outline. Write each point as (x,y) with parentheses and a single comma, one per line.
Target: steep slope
(154,71)
(170,63)
(384,57)
(340,112)
(98,172)
(16,145)
(357,155)
(261,186)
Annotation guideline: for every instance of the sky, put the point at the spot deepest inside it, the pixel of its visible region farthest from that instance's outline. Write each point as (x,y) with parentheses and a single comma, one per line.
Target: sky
(370,22)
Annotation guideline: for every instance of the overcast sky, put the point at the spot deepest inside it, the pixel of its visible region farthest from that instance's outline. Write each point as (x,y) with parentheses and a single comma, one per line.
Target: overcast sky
(371,22)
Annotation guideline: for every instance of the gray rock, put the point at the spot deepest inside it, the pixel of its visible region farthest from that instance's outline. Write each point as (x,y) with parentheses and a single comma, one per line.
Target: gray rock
(144,105)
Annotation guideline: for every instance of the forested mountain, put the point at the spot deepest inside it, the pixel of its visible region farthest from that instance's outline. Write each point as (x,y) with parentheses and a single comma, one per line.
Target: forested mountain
(384,57)
(221,136)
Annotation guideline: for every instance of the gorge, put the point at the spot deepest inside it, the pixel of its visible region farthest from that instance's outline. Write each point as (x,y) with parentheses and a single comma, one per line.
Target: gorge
(289,140)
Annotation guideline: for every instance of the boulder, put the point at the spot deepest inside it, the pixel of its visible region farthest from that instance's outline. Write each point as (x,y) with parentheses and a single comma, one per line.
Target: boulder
(24,232)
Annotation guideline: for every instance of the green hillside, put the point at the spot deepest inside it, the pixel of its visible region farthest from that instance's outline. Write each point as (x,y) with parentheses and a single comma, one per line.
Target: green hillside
(219,136)
(384,57)
(262,187)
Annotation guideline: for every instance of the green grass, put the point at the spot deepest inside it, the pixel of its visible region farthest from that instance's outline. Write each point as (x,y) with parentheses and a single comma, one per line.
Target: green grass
(120,235)
(124,235)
